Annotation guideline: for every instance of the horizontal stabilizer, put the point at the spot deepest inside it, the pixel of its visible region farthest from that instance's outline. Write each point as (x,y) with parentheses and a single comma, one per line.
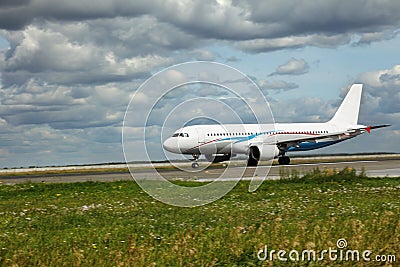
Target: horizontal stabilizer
(369,128)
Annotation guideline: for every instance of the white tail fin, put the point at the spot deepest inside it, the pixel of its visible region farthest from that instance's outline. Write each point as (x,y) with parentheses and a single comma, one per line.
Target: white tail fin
(347,113)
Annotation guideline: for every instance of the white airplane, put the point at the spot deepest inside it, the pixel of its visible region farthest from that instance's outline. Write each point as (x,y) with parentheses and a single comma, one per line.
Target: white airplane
(268,141)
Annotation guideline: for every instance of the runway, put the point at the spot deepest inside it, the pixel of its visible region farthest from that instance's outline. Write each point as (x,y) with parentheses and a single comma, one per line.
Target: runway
(372,168)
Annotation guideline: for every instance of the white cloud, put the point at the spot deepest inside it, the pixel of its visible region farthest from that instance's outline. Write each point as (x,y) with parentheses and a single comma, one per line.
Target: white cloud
(305,109)
(292,67)
(54,57)
(370,37)
(382,78)
(72,66)
(382,96)
(41,50)
(267,86)
(292,42)
(202,54)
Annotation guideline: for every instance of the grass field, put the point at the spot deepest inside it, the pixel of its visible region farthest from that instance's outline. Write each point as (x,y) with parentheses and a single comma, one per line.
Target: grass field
(117,224)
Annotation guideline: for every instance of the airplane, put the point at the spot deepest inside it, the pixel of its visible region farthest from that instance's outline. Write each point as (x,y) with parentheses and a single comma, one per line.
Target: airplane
(268,141)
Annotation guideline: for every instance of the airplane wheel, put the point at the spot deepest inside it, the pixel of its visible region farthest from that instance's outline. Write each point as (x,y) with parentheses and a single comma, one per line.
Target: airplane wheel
(252,162)
(195,165)
(284,160)
(254,156)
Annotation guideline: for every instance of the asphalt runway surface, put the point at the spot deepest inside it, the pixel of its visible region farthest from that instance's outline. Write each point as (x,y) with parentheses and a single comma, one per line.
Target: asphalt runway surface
(373,168)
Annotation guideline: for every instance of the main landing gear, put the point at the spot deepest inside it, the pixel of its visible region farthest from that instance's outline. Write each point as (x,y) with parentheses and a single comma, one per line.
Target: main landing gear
(195,164)
(284,160)
(254,157)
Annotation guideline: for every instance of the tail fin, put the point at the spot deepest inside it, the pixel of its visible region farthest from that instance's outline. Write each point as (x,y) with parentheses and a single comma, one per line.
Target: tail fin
(347,112)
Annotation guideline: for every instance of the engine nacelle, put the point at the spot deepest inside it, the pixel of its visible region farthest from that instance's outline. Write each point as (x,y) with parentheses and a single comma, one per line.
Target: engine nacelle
(263,152)
(218,157)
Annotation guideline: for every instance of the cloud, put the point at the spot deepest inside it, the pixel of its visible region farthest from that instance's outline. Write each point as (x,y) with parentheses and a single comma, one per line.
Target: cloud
(370,37)
(325,16)
(292,67)
(54,57)
(202,55)
(261,45)
(43,145)
(64,107)
(382,96)
(232,59)
(380,103)
(226,20)
(72,66)
(267,86)
(304,109)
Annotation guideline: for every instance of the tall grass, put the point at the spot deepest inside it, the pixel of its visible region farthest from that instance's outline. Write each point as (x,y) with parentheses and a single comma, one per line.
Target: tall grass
(117,224)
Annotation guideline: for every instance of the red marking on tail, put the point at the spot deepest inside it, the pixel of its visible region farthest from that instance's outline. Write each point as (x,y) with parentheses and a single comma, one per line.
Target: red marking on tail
(368,129)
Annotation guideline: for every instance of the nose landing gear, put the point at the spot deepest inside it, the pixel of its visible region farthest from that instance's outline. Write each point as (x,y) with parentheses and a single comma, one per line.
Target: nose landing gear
(196,158)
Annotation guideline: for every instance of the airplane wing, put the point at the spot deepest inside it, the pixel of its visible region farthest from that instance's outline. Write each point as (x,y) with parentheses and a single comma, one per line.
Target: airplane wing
(349,133)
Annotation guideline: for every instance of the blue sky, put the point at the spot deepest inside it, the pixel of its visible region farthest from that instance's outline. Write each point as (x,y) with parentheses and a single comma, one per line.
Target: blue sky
(68,72)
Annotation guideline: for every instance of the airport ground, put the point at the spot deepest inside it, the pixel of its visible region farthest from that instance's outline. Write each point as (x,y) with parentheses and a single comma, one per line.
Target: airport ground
(373,166)
(118,224)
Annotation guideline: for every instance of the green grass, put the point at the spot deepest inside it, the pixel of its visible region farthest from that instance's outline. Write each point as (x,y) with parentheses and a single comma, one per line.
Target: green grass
(117,224)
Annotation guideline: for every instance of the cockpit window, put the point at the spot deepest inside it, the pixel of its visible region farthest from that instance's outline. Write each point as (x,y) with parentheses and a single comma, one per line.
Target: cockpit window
(180,135)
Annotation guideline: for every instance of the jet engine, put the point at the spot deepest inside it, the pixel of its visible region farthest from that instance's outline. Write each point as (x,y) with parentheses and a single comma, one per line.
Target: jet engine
(262,152)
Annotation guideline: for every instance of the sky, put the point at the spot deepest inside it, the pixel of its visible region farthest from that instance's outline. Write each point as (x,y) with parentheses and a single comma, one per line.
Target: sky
(68,69)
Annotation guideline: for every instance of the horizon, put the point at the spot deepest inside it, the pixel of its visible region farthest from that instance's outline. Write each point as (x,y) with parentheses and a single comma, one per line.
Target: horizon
(68,72)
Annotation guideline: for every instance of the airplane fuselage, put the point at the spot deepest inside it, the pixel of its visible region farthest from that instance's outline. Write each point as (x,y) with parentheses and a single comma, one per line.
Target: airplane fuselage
(237,138)
(268,141)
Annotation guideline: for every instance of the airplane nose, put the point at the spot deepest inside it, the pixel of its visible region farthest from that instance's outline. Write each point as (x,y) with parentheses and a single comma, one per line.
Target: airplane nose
(170,145)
